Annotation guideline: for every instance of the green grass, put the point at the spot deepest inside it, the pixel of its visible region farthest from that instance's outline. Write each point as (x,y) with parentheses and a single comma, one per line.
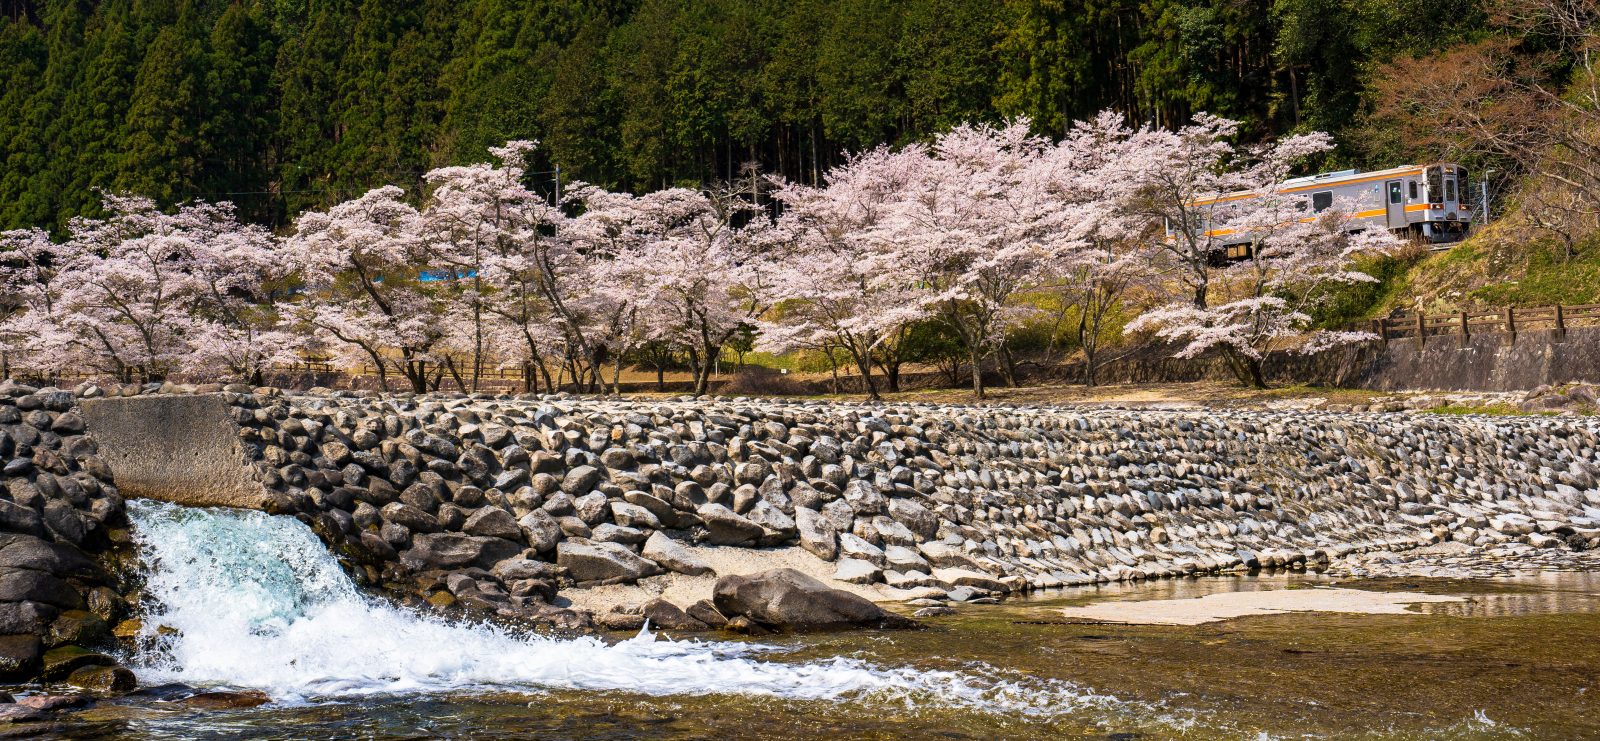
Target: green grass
(1549,278)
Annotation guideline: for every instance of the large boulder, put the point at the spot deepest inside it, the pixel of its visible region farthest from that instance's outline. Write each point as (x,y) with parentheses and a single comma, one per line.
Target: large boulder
(457,551)
(587,560)
(785,599)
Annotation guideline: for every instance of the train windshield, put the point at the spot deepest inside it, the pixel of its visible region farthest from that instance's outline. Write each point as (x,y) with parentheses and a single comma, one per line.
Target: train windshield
(1435,185)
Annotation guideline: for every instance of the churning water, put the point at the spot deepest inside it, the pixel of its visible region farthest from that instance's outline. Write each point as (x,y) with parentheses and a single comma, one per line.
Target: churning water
(248,600)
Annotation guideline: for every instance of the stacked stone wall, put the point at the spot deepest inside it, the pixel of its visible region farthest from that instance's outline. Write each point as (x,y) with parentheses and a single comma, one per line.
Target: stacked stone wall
(61,517)
(498,503)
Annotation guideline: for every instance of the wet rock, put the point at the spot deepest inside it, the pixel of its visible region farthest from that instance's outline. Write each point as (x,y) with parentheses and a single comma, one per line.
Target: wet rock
(19,656)
(104,679)
(706,612)
(60,662)
(785,599)
(223,700)
(663,614)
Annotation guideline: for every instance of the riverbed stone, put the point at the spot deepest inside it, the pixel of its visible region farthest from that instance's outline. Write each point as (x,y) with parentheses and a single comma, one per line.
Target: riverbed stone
(785,599)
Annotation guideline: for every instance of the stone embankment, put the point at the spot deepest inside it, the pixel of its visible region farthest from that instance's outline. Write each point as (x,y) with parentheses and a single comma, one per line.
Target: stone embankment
(60,519)
(508,505)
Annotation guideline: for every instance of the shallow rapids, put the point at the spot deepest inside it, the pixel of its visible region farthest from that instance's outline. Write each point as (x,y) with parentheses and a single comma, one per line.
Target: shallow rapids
(247,600)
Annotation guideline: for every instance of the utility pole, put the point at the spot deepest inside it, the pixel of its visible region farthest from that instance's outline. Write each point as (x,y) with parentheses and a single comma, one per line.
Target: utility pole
(1483,188)
(558,185)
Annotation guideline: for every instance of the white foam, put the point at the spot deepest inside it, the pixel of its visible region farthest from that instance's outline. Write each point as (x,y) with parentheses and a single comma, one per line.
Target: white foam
(258,602)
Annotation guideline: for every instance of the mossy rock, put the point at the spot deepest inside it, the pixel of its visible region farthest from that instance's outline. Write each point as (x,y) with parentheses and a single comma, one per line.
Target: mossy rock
(77,626)
(104,679)
(64,660)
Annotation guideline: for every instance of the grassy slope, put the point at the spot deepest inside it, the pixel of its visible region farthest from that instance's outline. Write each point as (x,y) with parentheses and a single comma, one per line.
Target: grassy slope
(1495,268)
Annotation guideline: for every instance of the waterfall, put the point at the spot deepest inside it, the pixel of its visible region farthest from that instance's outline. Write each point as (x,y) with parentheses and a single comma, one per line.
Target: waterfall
(243,599)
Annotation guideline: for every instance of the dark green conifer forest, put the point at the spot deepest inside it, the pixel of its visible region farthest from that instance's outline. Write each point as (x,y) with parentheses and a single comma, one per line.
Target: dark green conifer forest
(283,105)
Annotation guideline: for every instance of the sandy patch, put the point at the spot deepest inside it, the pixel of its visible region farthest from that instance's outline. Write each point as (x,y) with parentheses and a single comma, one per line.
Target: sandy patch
(683,590)
(1228,605)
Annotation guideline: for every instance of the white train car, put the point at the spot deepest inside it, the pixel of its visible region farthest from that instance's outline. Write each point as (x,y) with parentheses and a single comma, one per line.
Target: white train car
(1427,203)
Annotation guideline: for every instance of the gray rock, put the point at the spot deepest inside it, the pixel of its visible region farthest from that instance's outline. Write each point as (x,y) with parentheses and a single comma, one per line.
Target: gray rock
(493,522)
(853,546)
(863,498)
(591,508)
(580,480)
(816,533)
(633,515)
(612,533)
(726,527)
(674,556)
(587,560)
(856,571)
(785,599)
(541,530)
(456,551)
(917,518)
(409,517)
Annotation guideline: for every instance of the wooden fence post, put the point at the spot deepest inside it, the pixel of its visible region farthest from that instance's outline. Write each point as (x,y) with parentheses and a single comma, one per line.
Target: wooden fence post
(1511,322)
(1466,330)
(1561,322)
(1381,329)
(1422,331)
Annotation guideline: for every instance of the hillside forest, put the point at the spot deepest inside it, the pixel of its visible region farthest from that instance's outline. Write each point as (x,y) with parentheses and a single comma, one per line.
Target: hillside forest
(284,105)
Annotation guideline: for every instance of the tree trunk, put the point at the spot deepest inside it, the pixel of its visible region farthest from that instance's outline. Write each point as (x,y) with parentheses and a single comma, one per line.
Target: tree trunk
(864,364)
(977,371)
(661,377)
(1245,368)
(1008,366)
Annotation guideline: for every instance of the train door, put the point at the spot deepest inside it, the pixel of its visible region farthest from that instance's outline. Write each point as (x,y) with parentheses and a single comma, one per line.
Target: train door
(1396,204)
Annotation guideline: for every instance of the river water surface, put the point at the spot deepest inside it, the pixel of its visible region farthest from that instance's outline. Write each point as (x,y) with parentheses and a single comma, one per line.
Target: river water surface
(243,600)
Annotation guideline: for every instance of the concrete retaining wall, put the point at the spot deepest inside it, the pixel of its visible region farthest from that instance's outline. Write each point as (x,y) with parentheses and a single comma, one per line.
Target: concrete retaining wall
(175,448)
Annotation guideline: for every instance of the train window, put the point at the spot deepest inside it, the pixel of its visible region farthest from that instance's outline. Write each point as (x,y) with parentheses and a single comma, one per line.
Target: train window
(1461,177)
(1321,201)
(1395,196)
(1413,190)
(1435,185)
(1450,189)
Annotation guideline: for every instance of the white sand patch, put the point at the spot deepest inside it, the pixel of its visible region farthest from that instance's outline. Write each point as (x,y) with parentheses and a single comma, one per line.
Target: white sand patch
(683,590)
(1228,605)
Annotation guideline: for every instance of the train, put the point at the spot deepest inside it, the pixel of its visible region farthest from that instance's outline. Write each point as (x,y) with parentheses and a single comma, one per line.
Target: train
(1424,203)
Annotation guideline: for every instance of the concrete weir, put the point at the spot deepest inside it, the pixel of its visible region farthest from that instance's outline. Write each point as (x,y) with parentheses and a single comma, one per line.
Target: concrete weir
(498,502)
(182,449)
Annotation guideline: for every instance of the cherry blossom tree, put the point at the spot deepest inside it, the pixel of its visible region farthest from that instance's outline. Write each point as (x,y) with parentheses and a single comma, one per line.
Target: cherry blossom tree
(143,293)
(493,240)
(966,237)
(1099,248)
(362,262)
(827,290)
(698,269)
(1294,255)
